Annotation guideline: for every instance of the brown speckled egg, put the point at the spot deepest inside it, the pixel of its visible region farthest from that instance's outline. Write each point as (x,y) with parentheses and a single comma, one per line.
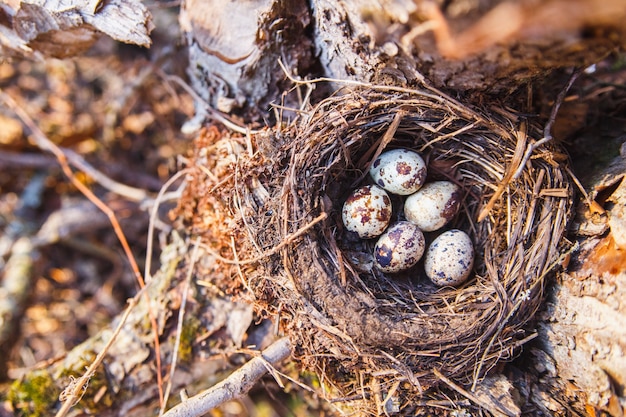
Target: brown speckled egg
(399,248)
(367,211)
(399,171)
(449,259)
(434,205)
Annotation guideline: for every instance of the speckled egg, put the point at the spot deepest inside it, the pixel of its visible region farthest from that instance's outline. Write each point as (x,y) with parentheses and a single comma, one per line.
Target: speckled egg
(434,205)
(449,259)
(367,211)
(399,248)
(400,171)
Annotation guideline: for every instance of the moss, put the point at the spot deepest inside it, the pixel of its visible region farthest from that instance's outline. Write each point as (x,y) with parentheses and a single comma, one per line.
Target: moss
(188,334)
(37,394)
(98,396)
(619,63)
(34,396)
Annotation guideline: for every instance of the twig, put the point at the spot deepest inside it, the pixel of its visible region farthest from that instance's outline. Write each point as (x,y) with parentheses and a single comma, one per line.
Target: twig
(26,160)
(153,218)
(212,113)
(522,137)
(473,398)
(236,385)
(66,156)
(126,191)
(70,220)
(18,272)
(14,290)
(320,79)
(591,203)
(73,393)
(380,145)
(179,326)
(148,275)
(547,130)
(286,241)
(22,223)
(42,141)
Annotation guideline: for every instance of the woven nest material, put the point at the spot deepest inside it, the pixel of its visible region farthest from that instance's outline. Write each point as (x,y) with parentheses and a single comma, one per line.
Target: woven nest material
(372,337)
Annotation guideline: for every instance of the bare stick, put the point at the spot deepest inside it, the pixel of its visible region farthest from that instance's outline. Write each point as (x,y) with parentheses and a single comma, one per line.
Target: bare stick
(153,218)
(17,160)
(74,392)
(14,290)
(179,326)
(128,192)
(381,145)
(46,144)
(508,177)
(236,385)
(211,112)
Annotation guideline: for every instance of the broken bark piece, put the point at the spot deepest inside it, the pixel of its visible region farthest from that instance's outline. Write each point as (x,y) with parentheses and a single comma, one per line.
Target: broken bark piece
(66,28)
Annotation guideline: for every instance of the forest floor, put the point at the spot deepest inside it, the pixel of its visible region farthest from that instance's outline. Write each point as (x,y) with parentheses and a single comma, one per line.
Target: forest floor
(116,109)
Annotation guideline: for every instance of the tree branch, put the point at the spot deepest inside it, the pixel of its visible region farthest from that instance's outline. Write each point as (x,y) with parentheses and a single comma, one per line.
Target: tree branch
(236,385)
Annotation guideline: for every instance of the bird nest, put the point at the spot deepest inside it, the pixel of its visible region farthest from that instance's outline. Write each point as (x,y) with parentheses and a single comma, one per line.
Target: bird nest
(375,339)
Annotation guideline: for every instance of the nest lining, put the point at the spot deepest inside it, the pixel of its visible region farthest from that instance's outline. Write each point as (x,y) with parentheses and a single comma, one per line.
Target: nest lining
(362,331)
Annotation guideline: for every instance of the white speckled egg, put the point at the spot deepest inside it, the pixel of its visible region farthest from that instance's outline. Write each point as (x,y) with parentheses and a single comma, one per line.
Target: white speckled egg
(400,171)
(399,248)
(367,211)
(434,205)
(449,259)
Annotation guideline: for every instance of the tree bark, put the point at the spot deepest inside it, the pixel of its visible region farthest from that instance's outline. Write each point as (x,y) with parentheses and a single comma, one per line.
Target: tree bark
(490,47)
(582,327)
(234,49)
